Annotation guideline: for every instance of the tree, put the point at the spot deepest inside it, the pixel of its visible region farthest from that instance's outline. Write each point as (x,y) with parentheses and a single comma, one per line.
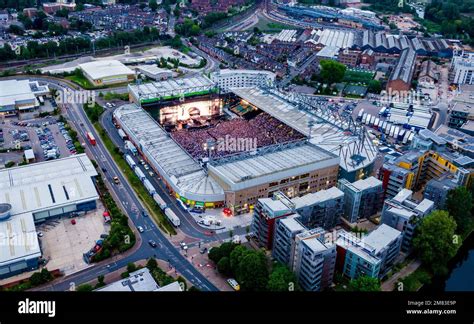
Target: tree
(282,279)
(331,71)
(218,252)
(365,283)
(85,288)
(459,205)
(131,267)
(15,29)
(236,256)
(252,273)
(100,282)
(434,241)
(153,5)
(151,264)
(223,266)
(374,86)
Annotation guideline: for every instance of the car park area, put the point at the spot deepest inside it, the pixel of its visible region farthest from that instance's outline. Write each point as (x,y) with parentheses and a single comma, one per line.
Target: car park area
(64,243)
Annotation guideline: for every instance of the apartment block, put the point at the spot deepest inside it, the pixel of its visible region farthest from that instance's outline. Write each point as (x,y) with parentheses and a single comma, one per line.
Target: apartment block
(362,199)
(372,255)
(314,260)
(403,213)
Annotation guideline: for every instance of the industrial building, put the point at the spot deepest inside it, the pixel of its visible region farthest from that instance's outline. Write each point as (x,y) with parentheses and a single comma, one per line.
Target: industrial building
(383,42)
(20,96)
(402,73)
(153,72)
(107,72)
(227,79)
(362,199)
(403,213)
(35,193)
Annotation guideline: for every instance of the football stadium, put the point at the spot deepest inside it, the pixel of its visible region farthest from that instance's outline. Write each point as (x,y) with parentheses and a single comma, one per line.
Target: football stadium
(229,149)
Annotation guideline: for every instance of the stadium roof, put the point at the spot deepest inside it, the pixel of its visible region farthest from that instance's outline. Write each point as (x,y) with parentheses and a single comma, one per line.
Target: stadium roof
(271,164)
(326,131)
(172,87)
(186,176)
(105,68)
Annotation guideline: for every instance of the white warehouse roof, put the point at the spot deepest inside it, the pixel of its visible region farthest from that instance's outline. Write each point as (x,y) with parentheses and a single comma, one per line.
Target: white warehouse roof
(44,185)
(105,68)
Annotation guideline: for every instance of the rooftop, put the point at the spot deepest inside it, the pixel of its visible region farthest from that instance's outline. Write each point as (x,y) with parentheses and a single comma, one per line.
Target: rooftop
(140,280)
(171,87)
(185,174)
(271,164)
(327,132)
(38,186)
(381,237)
(19,92)
(105,68)
(317,197)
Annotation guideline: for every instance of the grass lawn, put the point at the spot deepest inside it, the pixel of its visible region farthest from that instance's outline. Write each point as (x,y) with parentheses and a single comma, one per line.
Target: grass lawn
(136,184)
(269,26)
(86,84)
(81,81)
(416,280)
(354,76)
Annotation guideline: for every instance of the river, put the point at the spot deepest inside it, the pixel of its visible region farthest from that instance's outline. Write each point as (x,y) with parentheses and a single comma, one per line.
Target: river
(461,271)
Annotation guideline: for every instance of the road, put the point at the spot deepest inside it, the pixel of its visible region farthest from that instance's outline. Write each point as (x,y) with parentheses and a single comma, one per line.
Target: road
(132,205)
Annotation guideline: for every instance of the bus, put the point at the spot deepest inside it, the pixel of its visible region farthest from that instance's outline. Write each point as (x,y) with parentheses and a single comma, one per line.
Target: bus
(91,138)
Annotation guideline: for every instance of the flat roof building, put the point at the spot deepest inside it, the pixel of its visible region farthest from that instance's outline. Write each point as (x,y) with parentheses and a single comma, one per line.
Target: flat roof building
(17,96)
(227,79)
(140,280)
(34,193)
(106,72)
(403,213)
(148,93)
(362,199)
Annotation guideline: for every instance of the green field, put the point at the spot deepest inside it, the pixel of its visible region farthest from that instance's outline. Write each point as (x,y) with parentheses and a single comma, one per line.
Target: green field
(356,76)
(267,25)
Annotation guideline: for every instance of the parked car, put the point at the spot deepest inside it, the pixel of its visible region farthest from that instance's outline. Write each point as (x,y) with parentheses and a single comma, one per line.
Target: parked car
(234,284)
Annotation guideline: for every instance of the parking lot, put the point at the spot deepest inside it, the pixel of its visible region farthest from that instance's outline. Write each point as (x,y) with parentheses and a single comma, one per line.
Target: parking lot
(64,243)
(48,138)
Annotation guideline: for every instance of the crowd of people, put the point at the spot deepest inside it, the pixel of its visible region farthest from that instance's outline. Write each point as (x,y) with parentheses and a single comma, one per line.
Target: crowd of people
(263,130)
